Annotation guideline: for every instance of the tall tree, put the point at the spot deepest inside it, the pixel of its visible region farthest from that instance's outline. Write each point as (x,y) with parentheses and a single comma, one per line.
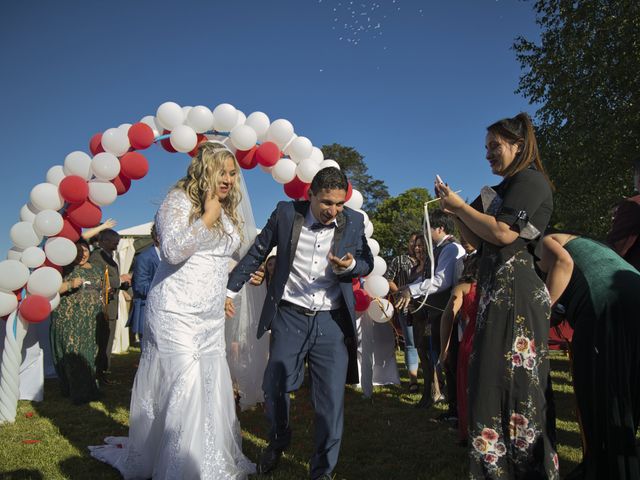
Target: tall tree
(585,74)
(352,163)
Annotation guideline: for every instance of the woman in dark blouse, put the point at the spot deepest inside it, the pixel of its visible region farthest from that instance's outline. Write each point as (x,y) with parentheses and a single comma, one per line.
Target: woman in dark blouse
(509,431)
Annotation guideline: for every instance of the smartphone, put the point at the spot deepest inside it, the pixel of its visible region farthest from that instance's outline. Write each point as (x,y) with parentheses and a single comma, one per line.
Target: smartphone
(439,180)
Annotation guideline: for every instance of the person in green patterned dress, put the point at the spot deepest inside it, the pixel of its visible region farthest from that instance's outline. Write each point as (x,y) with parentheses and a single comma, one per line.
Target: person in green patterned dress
(73,328)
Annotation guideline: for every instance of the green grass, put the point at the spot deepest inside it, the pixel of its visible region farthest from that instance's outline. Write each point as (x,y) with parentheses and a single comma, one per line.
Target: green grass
(384,438)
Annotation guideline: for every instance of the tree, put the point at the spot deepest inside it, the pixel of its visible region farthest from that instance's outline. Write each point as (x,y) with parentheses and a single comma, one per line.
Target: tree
(585,74)
(352,164)
(398,217)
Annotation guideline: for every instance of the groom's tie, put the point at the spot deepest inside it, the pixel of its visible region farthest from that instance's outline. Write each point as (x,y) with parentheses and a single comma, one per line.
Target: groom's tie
(321,226)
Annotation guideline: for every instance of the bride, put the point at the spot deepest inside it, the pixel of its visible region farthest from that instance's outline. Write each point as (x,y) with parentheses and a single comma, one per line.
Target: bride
(182,419)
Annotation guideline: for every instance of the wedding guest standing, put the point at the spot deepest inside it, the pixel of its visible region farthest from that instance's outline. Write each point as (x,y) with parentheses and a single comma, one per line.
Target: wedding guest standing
(624,236)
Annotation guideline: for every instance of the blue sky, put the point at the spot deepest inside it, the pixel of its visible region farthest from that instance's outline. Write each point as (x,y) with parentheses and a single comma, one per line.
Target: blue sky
(412,90)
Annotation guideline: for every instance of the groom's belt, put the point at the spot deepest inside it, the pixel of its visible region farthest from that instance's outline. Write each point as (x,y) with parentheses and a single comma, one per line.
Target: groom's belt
(302,310)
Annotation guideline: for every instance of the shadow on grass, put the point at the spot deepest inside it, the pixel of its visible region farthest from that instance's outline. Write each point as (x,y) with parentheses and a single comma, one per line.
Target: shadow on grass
(23,474)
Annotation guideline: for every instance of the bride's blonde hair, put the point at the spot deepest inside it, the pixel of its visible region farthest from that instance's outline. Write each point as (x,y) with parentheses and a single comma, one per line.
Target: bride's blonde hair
(202,176)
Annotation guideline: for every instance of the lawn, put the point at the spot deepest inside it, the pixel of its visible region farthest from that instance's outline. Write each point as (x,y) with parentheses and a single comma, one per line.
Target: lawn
(384,438)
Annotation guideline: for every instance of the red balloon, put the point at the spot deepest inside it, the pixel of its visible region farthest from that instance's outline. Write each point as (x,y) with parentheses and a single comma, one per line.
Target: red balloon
(349,192)
(35,308)
(247,158)
(307,186)
(363,300)
(268,154)
(47,263)
(140,136)
(95,144)
(74,189)
(133,165)
(85,214)
(166,143)
(201,139)
(355,283)
(69,230)
(122,183)
(295,188)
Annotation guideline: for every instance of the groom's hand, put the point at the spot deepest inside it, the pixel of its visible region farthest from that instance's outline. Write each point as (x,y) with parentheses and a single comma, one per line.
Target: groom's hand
(340,263)
(257,277)
(229,307)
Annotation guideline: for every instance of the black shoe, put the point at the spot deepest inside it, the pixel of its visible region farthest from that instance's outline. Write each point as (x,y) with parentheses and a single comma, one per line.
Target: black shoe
(425,402)
(447,417)
(268,460)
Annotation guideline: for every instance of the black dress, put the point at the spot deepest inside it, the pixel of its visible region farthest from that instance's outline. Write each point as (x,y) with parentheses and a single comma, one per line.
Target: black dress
(509,365)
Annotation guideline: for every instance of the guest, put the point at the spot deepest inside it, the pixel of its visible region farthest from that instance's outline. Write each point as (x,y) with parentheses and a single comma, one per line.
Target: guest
(91,234)
(624,236)
(509,366)
(597,292)
(269,268)
(73,326)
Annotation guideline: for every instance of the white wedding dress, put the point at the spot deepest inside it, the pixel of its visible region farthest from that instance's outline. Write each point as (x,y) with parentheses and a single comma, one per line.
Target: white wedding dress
(182,421)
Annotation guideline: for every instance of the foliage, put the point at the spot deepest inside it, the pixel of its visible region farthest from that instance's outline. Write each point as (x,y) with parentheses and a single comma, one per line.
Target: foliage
(352,164)
(585,74)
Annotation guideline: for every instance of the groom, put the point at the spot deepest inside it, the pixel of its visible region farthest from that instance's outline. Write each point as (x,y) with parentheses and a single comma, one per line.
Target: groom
(309,309)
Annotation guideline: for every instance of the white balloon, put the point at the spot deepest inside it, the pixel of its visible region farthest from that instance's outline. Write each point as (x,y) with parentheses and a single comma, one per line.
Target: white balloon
(368,230)
(54,301)
(243,137)
(33,257)
(78,163)
(60,251)
(15,253)
(284,171)
(300,149)
(185,113)
(102,192)
(366,217)
(280,132)
(8,303)
(260,122)
(379,267)
(28,212)
(376,286)
(105,166)
(307,169)
(374,246)
(317,155)
(151,121)
(55,175)
(329,163)
(200,119)
(46,196)
(44,281)
(242,118)
(48,223)
(355,201)
(380,312)
(183,138)
(116,141)
(124,127)
(13,275)
(24,236)
(225,117)
(169,115)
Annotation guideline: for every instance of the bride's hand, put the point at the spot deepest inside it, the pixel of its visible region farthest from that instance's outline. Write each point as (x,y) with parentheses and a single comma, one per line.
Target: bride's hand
(212,209)
(229,307)
(450,201)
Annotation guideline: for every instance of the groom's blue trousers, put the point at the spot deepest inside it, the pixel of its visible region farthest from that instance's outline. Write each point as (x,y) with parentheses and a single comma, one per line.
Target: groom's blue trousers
(319,338)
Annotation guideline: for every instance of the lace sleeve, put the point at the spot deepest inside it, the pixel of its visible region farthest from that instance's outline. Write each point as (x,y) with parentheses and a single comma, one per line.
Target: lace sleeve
(178,239)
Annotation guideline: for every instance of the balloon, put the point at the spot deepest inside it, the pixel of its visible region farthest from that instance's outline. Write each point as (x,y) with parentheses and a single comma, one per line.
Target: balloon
(376,286)
(153,124)
(102,192)
(284,171)
(268,154)
(169,115)
(307,169)
(349,191)
(317,155)
(374,246)
(95,144)
(141,136)
(23,235)
(243,137)
(368,230)
(260,123)
(241,119)
(45,196)
(133,165)
(166,143)
(122,183)
(78,163)
(35,308)
(60,251)
(280,132)
(33,257)
(355,201)
(200,119)
(54,301)
(105,166)
(225,117)
(28,212)
(74,189)
(295,188)
(48,223)
(380,310)
(247,158)
(300,149)
(47,263)
(84,214)
(201,139)
(15,253)
(125,128)
(8,303)
(329,163)
(55,175)
(379,267)
(363,300)
(13,275)
(44,281)
(69,230)
(183,138)
(115,141)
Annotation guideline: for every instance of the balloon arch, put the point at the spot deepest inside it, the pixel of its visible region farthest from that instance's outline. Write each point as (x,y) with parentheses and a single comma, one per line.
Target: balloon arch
(70,200)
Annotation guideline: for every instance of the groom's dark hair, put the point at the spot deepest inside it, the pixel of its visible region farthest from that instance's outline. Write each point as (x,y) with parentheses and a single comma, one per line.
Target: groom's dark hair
(329,178)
